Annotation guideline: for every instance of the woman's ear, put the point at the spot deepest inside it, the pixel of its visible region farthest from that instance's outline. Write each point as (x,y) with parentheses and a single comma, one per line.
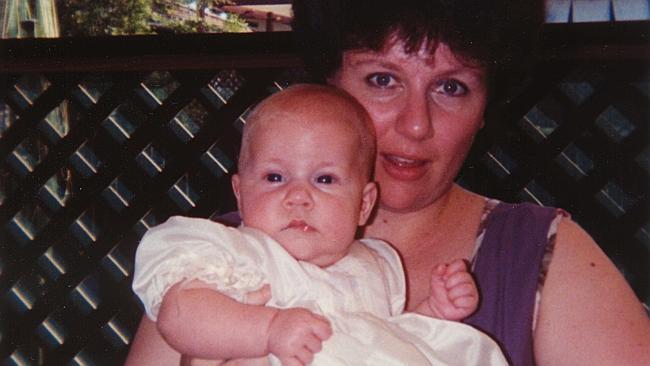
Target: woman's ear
(234,181)
(368,199)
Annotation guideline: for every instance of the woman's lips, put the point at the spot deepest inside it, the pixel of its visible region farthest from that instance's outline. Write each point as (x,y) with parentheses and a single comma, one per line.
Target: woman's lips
(402,168)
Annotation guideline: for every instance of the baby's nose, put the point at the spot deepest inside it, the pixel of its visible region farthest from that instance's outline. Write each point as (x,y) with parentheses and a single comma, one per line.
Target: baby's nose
(298,196)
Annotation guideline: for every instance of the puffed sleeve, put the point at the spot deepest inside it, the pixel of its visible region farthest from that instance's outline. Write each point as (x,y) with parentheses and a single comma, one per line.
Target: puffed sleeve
(393,273)
(184,249)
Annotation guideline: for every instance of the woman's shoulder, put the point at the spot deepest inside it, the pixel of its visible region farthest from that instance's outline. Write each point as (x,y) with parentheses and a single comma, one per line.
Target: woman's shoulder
(602,321)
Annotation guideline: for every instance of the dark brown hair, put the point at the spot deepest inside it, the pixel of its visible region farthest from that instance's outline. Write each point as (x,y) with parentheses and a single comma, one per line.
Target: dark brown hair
(496,35)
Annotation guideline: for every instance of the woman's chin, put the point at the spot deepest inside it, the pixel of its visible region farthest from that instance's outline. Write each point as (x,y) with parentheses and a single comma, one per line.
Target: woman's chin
(400,203)
(405,198)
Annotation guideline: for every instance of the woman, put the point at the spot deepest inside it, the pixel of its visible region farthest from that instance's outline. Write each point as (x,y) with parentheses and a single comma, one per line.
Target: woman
(425,72)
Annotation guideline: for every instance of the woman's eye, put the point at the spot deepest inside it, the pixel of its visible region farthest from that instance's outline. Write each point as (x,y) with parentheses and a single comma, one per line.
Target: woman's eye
(273,177)
(451,87)
(325,179)
(381,80)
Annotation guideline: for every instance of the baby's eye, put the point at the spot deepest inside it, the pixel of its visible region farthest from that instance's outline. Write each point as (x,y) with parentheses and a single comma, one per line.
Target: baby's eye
(451,87)
(325,179)
(273,177)
(381,80)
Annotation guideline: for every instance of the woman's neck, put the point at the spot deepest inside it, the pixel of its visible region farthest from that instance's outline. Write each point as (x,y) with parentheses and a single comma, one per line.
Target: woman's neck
(446,218)
(439,233)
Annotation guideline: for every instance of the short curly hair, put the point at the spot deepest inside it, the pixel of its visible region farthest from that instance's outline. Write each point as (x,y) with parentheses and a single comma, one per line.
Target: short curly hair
(497,35)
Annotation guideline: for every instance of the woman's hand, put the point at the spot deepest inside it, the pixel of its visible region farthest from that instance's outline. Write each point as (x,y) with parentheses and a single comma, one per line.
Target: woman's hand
(261,361)
(189,361)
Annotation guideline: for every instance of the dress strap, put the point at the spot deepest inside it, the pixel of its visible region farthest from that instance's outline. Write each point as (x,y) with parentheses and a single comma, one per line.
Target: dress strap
(489,206)
(512,243)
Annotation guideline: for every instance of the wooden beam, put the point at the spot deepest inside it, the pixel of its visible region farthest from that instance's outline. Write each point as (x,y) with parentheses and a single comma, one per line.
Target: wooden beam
(148,52)
(615,41)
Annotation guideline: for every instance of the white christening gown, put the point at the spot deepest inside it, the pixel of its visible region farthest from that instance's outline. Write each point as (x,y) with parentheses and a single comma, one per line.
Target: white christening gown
(362,295)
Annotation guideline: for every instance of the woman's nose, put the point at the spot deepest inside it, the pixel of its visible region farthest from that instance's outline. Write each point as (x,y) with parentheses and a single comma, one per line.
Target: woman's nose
(298,196)
(415,120)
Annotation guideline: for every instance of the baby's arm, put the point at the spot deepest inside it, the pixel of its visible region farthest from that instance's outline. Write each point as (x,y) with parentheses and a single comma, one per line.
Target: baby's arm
(205,323)
(454,295)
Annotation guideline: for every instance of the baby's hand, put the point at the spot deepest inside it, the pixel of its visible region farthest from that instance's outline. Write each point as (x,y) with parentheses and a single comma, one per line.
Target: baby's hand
(258,297)
(296,334)
(454,295)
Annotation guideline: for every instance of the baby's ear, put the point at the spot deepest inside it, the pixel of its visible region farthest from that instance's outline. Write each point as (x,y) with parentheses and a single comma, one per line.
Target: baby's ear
(368,199)
(234,181)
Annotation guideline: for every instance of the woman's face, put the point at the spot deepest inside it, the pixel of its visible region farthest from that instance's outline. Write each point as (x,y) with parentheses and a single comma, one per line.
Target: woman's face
(426,110)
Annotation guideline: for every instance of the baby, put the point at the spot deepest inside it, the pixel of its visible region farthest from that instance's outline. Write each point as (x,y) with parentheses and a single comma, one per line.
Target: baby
(292,284)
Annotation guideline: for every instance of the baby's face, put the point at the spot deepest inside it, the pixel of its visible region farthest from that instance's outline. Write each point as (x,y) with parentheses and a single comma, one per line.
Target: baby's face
(303,184)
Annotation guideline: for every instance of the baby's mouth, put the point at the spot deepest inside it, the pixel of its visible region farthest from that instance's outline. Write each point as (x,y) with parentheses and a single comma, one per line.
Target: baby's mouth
(299,225)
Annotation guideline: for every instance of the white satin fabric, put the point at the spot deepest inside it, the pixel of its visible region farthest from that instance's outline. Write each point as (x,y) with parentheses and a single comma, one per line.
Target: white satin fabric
(362,295)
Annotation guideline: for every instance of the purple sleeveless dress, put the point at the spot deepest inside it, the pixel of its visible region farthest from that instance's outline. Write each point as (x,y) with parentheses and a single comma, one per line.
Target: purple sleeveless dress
(515,243)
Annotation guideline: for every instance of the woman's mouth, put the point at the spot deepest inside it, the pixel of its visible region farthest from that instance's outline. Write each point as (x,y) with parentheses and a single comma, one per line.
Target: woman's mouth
(299,225)
(402,168)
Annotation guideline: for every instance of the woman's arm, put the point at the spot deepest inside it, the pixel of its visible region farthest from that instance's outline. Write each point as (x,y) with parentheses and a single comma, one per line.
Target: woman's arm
(588,314)
(150,349)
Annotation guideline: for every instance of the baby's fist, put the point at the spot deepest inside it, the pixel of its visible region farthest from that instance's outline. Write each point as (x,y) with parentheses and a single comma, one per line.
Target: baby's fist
(296,334)
(454,295)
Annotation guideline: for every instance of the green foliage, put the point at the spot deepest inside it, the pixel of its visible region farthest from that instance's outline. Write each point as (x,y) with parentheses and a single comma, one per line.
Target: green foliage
(190,26)
(235,24)
(115,17)
(107,17)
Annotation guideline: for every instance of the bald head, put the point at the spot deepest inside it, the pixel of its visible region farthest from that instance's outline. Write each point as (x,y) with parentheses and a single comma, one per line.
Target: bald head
(313,104)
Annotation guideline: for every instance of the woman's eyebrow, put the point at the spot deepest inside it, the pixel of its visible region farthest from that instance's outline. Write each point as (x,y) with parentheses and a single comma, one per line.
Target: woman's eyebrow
(474,73)
(374,60)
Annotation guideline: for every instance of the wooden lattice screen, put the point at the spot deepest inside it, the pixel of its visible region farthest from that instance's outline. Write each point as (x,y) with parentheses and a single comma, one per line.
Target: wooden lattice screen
(102,138)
